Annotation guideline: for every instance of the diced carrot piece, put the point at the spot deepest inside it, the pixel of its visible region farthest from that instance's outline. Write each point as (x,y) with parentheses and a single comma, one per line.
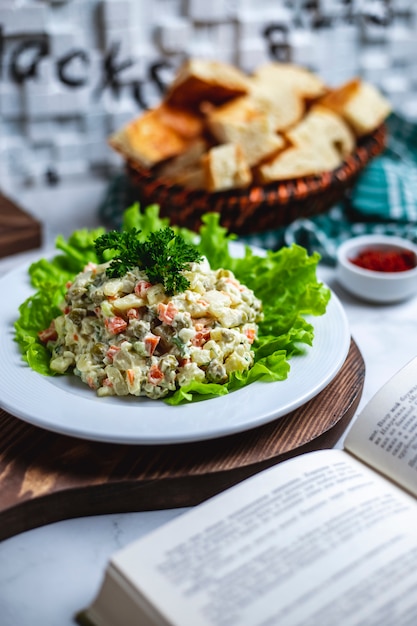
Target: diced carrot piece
(151,341)
(155,375)
(200,323)
(142,287)
(130,376)
(112,351)
(201,337)
(48,334)
(115,325)
(133,314)
(107,382)
(250,334)
(90,382)
(167,312)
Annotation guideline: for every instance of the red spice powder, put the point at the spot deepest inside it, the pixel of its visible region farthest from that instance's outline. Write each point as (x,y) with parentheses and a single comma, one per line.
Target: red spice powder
(385,260)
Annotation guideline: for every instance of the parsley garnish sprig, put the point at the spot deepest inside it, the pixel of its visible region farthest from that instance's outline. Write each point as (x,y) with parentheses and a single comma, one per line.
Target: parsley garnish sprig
(163,256)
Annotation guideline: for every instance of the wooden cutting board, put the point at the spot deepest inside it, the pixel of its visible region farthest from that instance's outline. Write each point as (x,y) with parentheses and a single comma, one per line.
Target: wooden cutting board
(45,477)
(18,230)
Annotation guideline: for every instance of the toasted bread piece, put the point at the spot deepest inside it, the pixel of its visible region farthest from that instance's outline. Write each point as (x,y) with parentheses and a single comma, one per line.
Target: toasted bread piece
(242,122)
(360,104)
(200,80)
(241,110)
(304,82)
(337,98)
(147,141)
(225,167)
(322,125)
(178,166)
(299,161)
(284,106)
(193,177)
(157,135)
(186,123)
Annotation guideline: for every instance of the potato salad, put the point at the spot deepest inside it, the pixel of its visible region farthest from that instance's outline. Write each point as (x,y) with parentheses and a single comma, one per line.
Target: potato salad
(126,335)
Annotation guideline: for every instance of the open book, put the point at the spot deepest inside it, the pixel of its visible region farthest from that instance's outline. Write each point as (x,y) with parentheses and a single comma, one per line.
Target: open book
(326,538)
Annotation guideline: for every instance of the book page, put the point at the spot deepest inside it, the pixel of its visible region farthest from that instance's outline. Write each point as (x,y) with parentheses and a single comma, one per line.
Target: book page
(385,433)
(319,539)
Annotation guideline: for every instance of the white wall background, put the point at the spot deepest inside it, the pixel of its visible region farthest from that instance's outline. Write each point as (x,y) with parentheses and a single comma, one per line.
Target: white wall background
(72,71)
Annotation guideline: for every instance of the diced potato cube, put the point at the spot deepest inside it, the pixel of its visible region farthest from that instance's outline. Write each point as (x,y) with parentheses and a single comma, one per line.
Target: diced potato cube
(113,287)
(232,317)
(155,294)
(201,357)
(131,301)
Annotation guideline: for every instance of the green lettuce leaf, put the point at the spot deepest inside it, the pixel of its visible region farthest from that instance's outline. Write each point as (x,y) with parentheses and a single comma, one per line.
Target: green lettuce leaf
(214,242)
(195,391)
(285,281)
(35,314)
(149,221)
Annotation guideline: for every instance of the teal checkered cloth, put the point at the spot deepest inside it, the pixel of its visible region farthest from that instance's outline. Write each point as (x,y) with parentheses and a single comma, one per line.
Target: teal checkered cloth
(384,200)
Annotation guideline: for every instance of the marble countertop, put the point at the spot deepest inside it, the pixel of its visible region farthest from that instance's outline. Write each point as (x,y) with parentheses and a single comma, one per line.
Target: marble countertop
(49,573)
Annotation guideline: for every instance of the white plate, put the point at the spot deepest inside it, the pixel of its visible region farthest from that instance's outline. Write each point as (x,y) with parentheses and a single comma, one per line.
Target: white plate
(63,404)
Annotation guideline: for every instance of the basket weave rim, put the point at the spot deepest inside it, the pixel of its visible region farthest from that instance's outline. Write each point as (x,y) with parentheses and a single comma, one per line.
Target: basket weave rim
(291,189)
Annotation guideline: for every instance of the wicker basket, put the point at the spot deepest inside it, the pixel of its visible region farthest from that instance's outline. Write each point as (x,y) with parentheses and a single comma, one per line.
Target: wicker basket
(257,209)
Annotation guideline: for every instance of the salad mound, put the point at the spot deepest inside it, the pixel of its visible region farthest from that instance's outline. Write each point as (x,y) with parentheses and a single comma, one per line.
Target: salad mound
(125,335)
(204,321)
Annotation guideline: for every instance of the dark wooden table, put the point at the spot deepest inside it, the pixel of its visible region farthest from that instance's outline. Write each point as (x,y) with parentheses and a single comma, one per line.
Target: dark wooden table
(19,231)
(45,477)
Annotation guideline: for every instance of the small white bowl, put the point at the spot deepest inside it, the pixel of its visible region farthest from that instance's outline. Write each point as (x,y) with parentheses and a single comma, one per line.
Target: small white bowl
(371,285)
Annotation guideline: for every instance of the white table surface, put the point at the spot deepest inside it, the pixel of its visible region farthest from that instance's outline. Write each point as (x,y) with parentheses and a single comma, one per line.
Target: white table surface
(49,573)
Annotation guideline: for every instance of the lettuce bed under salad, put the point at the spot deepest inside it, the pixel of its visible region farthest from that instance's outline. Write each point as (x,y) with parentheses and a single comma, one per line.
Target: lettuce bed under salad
(284,280)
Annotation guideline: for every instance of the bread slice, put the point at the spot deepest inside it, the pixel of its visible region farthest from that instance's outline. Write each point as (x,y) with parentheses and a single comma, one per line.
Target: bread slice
(177,166)
(186,123)
(157,135)
(283,105)
(192,177)
(308,85)
(225,167)
(200,80)
(242,122)
(299,161)
(362,105)
(319,126)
